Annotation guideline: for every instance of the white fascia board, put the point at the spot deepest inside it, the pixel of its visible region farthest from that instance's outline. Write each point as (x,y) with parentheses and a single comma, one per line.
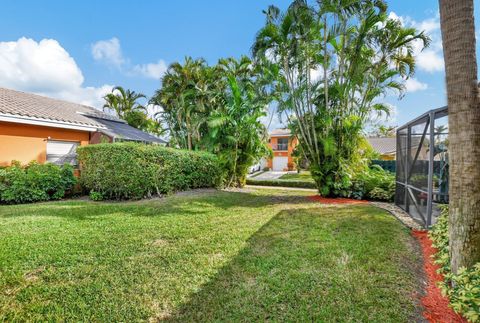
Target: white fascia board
(45,123)
(285,135)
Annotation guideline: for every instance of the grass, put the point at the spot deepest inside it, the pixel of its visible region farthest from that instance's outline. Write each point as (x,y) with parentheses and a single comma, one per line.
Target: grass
(212,256)
(302,176)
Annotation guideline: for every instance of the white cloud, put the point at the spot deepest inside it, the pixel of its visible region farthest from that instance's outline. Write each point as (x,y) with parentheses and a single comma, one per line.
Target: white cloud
(46,68)
(413,85)
(431,59)
(108,51)
(151,70)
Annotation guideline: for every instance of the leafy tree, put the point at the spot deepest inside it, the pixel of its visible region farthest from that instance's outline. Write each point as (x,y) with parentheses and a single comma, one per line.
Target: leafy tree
(332,62)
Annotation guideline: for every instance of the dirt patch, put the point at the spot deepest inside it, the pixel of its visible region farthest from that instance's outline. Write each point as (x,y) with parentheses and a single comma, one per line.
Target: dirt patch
(33,275)
(160,243)
(337,200)
(435,305)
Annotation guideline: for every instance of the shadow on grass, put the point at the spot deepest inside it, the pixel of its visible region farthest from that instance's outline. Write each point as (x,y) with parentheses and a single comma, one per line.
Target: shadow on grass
(351,263)
(198,203)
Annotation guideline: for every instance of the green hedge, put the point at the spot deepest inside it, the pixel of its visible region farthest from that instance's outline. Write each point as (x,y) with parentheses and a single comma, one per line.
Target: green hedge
(134,171)
(281,183)
(463,289)
(35,182)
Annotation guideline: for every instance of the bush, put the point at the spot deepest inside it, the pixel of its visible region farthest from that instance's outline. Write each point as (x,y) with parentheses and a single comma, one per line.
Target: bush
(374,184)
(134,171)
(463,289)
(279,182)
(35,182)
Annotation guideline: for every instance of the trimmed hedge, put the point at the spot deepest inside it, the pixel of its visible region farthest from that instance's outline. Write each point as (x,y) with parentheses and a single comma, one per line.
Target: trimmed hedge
(134,171)
(35,182)
(281,183)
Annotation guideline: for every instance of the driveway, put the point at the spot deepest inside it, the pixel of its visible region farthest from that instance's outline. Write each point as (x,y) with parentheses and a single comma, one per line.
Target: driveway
(270,175)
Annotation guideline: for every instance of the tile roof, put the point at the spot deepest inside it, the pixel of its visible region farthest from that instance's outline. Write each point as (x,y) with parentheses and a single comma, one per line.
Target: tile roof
(36,106)
(122,131)
(280,132)
(383,145)
(23,104)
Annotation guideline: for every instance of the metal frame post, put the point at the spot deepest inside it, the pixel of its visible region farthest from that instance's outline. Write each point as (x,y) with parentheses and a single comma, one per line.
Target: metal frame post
(407,166)
(431,157)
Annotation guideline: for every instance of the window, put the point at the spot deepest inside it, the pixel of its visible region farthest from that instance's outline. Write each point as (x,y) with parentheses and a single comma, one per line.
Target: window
(62,152)
(282,144)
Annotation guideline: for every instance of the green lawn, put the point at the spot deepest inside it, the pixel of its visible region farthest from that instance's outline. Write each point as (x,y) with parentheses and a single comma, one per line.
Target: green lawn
(303,176)
(211,256)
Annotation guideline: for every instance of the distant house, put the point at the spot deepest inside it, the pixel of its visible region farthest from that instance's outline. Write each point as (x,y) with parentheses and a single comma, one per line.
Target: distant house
(386,147)
(282,143)
(34,127)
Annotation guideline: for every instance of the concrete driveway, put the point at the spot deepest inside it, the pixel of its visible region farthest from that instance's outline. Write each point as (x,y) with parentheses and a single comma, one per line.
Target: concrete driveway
(270,175)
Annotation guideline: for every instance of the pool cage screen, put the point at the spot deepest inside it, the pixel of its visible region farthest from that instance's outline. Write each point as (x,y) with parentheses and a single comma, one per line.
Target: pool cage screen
(422,166)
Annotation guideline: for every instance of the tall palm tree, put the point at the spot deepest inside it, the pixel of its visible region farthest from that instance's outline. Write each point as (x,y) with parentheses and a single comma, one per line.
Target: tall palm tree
(363,54)
(458,35)
(185,96)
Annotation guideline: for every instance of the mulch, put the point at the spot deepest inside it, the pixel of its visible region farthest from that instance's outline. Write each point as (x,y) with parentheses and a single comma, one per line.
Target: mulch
(337,200)
(435,305)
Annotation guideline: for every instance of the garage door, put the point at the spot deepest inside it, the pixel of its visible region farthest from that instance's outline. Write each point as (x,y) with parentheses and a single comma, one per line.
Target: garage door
(62,152)
(280,163)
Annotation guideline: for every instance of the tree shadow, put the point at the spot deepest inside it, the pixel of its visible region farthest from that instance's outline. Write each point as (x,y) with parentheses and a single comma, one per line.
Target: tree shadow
(310,265)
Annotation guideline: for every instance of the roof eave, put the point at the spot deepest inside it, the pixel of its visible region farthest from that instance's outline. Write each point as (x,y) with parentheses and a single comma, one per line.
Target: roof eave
(45,122)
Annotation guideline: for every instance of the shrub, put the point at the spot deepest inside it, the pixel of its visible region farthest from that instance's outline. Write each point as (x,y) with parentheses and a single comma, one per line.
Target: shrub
(134,171)
(35,182)
(95,196)
(462,289)
(374,184)
(279,182)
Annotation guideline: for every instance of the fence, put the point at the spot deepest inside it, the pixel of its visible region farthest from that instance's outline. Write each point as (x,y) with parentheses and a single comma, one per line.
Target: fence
(388,165)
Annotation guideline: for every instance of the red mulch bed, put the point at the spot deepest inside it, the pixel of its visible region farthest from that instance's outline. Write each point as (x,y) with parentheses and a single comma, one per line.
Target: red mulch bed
(436,305)
(337,200)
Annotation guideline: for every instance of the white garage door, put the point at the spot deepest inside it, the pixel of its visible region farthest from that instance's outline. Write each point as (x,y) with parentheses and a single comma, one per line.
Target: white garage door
(62,152)
(280,163)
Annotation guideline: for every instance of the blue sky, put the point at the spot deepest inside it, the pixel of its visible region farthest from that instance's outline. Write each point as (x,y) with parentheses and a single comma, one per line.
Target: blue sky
(77,50)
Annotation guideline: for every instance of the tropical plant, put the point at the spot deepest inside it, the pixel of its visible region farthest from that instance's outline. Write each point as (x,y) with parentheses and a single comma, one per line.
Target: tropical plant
(332,62)
(462,288)
(458,33)
(189,92)
(217,109)
(124,104)
(236,133)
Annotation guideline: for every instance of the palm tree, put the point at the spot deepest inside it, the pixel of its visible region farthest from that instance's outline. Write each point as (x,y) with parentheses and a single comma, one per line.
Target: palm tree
(186,96)
(458,35)
(363,54)
(123,101)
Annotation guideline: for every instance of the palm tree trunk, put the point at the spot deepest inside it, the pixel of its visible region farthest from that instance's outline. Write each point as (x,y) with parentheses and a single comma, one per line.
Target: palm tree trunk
(458,33)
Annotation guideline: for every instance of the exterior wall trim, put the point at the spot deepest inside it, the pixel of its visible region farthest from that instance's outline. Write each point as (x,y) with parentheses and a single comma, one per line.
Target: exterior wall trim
(42,122)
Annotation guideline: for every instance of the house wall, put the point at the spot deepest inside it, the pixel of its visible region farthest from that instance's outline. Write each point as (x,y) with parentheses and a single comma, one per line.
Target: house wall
(292,143)
(28,142)
(390,156)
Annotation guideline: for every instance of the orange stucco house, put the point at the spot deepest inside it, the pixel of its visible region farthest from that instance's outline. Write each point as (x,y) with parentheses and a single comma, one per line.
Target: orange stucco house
(34,127)
(282,142)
